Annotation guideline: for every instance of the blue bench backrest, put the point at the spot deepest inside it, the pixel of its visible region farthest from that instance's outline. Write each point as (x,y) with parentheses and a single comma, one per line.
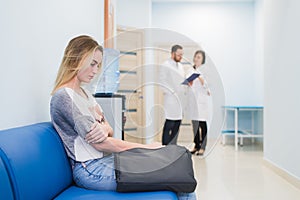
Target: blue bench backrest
(5,185)
(35,161)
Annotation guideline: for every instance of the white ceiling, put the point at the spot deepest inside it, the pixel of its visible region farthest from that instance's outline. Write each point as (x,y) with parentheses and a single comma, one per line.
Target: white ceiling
(162,1)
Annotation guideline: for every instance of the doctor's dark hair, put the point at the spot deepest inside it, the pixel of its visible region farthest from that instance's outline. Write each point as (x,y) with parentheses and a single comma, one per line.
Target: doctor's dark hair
(203,55)
(175,47)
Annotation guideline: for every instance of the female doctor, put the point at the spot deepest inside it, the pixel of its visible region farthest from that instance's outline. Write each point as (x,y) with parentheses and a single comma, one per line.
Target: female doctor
(197,107)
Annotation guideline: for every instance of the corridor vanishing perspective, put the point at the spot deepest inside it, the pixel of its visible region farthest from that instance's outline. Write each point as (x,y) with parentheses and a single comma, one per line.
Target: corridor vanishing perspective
(233,175)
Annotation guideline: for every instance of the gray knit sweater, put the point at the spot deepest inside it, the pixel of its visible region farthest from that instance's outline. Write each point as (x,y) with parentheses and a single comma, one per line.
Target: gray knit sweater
(72,117)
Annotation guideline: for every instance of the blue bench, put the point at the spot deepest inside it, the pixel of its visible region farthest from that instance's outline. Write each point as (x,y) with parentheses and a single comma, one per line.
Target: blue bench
(34,165)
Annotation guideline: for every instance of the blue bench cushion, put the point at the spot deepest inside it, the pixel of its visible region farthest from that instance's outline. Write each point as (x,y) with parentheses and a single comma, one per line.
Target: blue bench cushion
(76,193)
(34,165)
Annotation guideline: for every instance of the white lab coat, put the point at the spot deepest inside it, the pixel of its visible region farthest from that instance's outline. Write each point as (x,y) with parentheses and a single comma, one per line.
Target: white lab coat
(197,98)
(171,75)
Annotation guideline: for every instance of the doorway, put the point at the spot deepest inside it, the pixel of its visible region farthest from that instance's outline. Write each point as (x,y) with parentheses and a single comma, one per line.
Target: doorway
(130,43)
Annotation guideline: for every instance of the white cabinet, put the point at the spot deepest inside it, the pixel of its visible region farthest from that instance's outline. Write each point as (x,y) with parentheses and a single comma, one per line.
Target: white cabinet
(113,108)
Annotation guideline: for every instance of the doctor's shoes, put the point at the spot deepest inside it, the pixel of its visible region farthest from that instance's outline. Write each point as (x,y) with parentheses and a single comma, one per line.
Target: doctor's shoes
(200,152)
(194,151)
(197,152)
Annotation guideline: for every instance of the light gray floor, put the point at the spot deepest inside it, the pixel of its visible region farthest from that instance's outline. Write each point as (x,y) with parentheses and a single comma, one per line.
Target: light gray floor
(229,175)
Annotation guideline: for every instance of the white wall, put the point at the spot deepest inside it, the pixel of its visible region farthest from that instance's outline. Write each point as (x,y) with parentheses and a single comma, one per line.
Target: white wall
(258,67)
(134,13)
(282,94)
(226,31)
(33,37)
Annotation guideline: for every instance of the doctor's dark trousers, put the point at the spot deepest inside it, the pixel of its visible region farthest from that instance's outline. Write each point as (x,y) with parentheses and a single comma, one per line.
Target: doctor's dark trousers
(170,131)
(200,142)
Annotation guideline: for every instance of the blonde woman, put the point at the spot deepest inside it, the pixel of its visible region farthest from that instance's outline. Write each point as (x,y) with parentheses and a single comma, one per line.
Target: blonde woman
(79,120)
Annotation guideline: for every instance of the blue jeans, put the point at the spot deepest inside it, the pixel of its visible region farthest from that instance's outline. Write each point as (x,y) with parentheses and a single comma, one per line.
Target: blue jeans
(99,174)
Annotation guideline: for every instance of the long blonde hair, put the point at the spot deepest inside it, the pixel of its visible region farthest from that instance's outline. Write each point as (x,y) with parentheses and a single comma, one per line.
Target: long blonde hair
(76,51)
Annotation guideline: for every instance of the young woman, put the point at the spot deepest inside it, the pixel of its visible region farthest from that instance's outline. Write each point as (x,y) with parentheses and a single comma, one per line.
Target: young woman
(79,120)
(198,104)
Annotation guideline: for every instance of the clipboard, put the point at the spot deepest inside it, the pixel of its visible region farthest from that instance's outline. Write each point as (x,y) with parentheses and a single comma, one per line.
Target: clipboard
(190,78)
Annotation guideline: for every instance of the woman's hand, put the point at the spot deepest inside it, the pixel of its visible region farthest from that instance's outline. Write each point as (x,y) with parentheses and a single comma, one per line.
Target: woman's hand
(99,133)
(208,92)
(201,80)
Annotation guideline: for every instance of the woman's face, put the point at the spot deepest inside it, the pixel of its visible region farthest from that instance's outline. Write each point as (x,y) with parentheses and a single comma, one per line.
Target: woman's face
(198,59)
(90,67)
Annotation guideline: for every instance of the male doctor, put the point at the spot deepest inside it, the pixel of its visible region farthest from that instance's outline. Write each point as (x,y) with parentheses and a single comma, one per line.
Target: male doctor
(171,75)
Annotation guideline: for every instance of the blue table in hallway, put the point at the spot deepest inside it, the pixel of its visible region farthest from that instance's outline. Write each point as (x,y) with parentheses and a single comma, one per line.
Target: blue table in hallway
(238,132)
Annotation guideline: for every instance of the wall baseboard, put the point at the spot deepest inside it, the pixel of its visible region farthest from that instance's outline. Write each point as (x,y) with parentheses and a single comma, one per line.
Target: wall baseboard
(282,173)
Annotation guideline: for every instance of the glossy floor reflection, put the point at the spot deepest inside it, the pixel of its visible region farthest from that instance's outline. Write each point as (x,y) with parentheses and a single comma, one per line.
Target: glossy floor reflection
(226,174)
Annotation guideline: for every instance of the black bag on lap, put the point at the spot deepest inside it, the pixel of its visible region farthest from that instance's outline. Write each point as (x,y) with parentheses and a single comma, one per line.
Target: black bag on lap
(167,168)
